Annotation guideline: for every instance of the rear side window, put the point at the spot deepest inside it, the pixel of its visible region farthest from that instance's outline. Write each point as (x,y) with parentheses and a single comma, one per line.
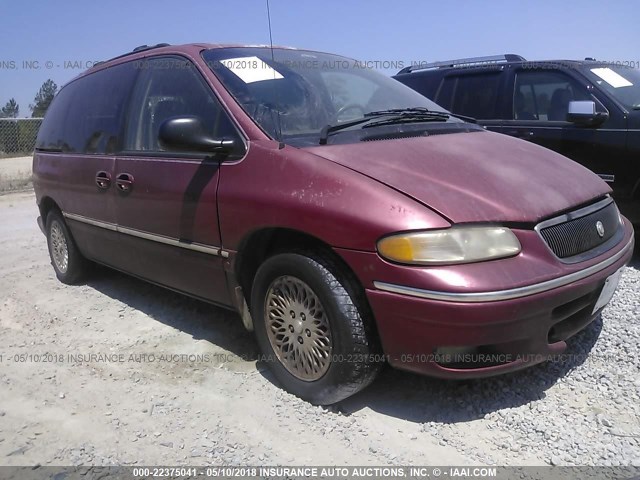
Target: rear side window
(87,115)
(476,95)
(172,87)
(545,96)
(51,135)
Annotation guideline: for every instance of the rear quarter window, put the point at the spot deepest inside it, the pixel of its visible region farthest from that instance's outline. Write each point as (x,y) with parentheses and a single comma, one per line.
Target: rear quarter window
(87,115)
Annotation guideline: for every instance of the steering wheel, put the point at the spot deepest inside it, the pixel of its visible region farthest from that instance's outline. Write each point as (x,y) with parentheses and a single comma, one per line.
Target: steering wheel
(347,107)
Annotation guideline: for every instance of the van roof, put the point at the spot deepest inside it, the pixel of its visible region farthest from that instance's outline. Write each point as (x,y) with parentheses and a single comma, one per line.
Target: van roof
(142,50)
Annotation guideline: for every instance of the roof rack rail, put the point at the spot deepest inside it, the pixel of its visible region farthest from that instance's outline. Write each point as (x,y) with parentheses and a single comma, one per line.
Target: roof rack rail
(471,61)
(141,48)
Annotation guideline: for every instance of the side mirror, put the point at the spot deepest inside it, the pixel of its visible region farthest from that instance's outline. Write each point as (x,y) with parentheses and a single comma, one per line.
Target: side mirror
(583,112)
(188,134)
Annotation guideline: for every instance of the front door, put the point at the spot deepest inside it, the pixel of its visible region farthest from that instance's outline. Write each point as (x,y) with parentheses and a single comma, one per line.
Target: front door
(166,201)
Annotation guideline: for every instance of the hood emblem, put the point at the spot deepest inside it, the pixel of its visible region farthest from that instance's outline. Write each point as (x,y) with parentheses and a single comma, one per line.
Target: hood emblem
(600,228)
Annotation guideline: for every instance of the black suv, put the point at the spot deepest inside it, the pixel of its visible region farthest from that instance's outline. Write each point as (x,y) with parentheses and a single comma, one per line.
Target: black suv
(586,110)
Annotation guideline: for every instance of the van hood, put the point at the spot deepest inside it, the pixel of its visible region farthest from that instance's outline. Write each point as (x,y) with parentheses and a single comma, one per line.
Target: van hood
(473,177)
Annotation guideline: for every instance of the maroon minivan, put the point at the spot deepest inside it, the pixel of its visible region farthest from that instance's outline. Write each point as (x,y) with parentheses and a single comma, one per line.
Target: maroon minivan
(349,220)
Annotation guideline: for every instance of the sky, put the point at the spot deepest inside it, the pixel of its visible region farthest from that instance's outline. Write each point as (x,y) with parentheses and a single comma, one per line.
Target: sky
(42,39)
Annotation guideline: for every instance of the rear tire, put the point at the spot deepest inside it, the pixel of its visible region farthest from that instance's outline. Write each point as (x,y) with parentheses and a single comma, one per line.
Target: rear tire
(68,263)
(312,329)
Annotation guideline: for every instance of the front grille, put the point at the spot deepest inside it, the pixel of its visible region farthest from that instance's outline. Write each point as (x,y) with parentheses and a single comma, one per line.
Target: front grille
(579,235)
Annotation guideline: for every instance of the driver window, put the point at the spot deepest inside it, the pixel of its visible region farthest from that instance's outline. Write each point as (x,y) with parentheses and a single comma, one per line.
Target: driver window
(545,96)
(171,87)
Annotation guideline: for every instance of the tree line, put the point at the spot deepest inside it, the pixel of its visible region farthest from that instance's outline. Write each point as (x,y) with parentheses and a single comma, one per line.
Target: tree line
(40,103)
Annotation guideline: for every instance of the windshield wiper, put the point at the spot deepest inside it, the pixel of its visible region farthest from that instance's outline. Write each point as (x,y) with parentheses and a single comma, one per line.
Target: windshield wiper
(406,115)
(328,129)
(406,118)
(408,111)
(398,115)
(422,111)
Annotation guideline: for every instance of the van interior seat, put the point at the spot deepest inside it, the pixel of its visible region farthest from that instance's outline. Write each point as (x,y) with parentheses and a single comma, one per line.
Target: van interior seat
(520,107)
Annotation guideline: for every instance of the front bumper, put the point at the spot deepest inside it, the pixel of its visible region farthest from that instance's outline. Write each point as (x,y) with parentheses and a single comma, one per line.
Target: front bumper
(490,332)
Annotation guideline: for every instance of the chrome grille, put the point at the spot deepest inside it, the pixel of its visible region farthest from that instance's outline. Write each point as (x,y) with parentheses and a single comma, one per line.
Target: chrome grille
(577,232)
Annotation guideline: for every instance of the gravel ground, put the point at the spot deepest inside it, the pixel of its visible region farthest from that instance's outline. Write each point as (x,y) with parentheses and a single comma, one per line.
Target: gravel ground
(203,399)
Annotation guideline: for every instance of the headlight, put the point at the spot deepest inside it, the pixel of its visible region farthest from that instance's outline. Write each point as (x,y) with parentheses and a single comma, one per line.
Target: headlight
(453,245)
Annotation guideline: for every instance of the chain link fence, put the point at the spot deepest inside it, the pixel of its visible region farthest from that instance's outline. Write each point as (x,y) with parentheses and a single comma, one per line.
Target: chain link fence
(18,136)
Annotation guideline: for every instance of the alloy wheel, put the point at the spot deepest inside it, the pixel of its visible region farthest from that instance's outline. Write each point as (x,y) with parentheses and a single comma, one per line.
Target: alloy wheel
(59,248)
(298,328)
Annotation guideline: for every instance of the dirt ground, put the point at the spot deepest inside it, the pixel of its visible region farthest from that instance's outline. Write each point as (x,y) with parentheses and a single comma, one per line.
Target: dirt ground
(141,408)
(15,173)
(117,371)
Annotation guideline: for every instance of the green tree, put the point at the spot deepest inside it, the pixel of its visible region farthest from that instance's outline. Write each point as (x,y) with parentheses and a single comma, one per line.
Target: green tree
(43,98)
(11,109)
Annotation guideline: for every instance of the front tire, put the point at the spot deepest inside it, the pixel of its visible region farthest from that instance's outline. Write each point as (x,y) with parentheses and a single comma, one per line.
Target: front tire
(67,261)
(313,330)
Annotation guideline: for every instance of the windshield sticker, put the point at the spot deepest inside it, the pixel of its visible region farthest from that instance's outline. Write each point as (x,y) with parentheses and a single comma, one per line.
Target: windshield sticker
(251,69)
(612,78)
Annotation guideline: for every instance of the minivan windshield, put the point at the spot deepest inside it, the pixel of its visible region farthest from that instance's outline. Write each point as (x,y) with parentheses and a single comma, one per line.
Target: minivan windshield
(623,82)
(302,96)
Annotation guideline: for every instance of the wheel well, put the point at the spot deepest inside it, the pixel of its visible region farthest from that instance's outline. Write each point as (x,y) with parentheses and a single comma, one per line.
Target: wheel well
(265,243)
(46,205)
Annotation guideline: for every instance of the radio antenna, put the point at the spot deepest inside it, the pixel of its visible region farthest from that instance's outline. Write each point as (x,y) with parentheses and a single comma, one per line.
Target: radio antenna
(275,90)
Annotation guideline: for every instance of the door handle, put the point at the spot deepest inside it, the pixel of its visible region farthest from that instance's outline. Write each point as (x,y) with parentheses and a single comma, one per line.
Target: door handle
(103,179)
(124,181)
